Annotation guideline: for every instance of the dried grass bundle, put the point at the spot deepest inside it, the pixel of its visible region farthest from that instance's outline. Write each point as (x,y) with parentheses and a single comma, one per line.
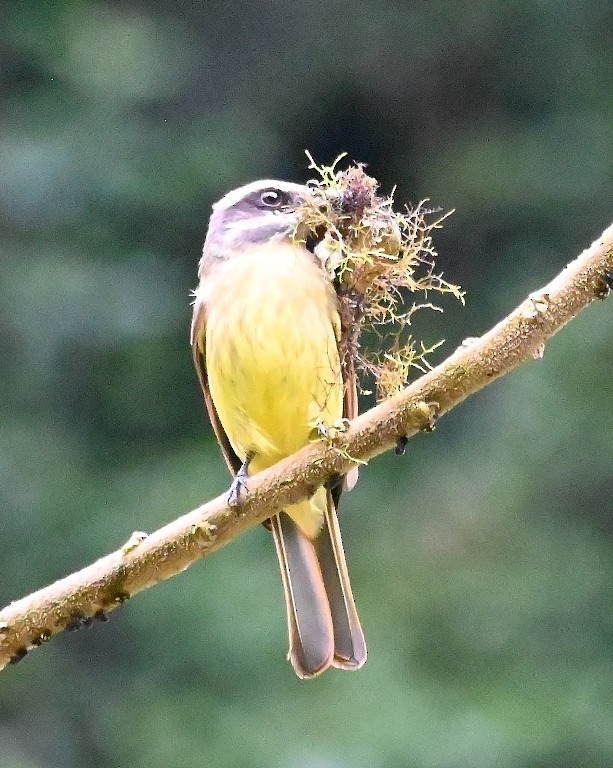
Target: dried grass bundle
(378,258)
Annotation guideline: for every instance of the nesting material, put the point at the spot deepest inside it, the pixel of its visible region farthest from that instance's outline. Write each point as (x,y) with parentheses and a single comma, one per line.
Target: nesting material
(378,259)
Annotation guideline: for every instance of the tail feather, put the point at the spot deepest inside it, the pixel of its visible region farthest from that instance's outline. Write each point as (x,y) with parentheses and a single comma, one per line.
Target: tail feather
(324,628)
(349,643)
(311,638)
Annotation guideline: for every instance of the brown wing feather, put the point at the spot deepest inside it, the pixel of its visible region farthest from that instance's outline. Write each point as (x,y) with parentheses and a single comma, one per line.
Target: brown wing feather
(350,409)
(350,406)
(198,333)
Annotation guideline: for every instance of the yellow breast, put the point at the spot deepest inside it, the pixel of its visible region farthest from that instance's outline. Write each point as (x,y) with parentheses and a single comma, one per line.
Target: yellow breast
(271,350)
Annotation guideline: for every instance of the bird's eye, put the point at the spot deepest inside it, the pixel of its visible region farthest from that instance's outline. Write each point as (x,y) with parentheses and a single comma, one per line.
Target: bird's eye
(272,198)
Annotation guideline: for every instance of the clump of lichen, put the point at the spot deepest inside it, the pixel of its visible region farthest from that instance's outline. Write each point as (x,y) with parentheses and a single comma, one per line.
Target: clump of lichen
(378,258)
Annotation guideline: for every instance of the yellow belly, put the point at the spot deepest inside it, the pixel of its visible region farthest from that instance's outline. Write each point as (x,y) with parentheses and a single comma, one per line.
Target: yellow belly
(271,351)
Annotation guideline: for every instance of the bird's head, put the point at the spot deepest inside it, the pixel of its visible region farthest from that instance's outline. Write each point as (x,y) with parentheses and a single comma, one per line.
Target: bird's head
(254,214)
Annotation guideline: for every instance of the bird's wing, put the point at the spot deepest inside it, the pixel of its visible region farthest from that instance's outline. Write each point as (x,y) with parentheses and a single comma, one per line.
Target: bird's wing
(350,400)
(350,405)
(198,335)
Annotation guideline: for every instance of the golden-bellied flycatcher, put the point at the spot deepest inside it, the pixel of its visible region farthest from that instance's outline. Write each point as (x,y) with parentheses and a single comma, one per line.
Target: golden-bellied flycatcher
(265,336)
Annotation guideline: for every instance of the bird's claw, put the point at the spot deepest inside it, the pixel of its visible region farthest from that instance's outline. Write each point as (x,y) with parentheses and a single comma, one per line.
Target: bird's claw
(239,486)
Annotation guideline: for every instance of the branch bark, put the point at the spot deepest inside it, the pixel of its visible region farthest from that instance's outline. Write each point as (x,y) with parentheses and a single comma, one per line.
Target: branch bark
(89,594)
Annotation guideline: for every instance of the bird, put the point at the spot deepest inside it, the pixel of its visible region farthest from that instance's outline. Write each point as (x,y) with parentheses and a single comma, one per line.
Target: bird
(265,339)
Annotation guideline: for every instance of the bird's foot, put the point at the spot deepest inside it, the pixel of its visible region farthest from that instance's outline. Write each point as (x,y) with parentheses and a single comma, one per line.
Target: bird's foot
(239,484)
(333,482)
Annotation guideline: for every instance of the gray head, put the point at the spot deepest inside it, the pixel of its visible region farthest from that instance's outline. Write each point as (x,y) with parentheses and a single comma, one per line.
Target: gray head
(253,214)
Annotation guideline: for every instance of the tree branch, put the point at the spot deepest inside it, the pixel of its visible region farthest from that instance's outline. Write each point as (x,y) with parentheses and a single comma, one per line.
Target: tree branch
(89,594)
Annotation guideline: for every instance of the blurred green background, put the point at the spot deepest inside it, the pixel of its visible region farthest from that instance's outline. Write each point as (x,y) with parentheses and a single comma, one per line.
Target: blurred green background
(482,561)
